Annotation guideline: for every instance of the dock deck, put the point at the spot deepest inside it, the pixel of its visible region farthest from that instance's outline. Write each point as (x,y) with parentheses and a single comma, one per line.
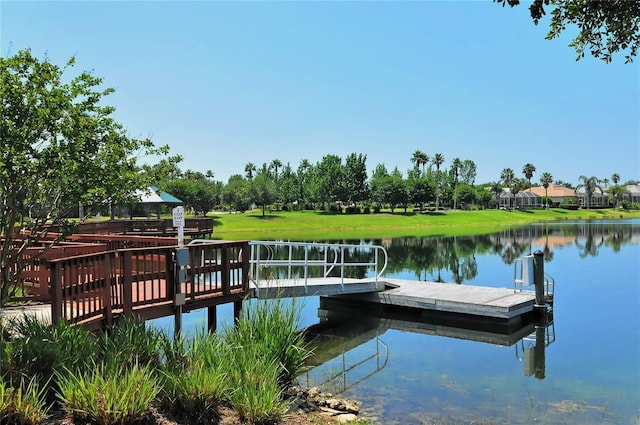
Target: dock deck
(496,303)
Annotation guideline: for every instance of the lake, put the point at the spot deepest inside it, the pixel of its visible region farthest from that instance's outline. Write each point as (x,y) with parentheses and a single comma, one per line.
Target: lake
(583,368)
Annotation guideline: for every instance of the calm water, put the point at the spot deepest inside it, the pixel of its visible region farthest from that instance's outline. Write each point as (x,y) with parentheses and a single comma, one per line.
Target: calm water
(590,354)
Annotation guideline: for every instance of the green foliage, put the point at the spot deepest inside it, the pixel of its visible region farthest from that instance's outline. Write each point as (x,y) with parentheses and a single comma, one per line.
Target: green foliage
(22,405)
(195,391)
(131,342)
(272,326)
(196,191)
(604,27)
(257,396)
(108,396)
(38,350)
(60,147)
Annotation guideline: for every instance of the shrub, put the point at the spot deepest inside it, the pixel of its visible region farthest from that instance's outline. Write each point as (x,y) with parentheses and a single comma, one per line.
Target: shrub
(22,405)
(107,396)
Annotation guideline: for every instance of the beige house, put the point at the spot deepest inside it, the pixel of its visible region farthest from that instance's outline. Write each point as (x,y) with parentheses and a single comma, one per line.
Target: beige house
(556,193)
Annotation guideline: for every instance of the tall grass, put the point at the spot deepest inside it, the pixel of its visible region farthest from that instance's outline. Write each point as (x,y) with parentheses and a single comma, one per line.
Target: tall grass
(195,389)
(273,326)
(23,404)
(37,351)
(106,396)
(257,396)
(131,342)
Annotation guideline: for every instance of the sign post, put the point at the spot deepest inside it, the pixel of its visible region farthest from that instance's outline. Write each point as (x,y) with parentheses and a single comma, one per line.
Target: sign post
(178,221)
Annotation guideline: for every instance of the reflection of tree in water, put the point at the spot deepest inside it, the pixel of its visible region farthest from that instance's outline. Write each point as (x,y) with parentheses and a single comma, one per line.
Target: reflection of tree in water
(591,244)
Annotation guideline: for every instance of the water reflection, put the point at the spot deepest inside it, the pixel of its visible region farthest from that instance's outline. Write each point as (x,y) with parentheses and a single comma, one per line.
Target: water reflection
(349,345)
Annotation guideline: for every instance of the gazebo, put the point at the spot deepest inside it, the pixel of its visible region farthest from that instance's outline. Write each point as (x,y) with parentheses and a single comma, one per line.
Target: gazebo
(153,198)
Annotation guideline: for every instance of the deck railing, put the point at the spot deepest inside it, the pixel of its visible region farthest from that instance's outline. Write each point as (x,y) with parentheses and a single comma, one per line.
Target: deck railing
(143,282)
(300,260)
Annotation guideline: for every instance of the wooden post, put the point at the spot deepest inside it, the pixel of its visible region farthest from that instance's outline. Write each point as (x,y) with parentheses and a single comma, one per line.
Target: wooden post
(539,351)
(56,290)
(225,270)
(212,318)
(127,283)
(237,310)
(106,292)
(538,278)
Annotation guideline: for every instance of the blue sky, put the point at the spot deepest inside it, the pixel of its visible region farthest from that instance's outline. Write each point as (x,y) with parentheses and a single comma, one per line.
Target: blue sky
(227,83)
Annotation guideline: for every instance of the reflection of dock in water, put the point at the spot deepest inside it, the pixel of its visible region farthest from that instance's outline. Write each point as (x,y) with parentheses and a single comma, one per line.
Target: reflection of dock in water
(345,329)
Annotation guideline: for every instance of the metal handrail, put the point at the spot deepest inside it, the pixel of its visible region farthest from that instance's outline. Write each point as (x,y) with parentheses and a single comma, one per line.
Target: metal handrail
(333,258)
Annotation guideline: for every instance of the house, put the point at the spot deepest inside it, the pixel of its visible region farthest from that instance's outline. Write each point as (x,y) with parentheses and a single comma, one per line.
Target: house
(522,200)
(557,194)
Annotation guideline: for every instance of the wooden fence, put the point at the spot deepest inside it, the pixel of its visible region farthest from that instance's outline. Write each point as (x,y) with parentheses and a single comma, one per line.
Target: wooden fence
(94,288)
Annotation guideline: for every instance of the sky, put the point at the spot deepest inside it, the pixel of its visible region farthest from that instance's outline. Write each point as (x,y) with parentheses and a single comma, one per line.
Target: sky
(230,83)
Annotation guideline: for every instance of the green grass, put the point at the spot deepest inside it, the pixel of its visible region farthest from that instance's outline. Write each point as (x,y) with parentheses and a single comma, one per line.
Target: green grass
(310,225)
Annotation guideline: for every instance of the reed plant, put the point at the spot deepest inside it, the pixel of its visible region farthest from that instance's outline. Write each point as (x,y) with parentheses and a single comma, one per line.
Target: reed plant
(24,404)
(37,351)
(106,396)
(273,326)
(130,341)
(257,394)
(195,389)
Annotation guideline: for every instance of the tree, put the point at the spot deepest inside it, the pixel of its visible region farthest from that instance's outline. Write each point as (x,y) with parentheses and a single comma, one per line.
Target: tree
(605,27)
(355,178)
(456,164)
(438,160)
(249,169)
(615,178)
(507,177)
(304,176)
(468,172)
(516,186)
(589,184)
(496,189)
(546,179)
(328,179)
(59,148)
(528,171)
(196,191)
(262,190)
(236,193)
(420,158)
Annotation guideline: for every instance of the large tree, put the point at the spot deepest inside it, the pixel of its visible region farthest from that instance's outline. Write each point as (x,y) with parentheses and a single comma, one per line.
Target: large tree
(589,185)
(420,158)
(355,178)
(528,171)
(456,164)
(59,148)
(546,179)
(507,177)
(438,160)
(605,27)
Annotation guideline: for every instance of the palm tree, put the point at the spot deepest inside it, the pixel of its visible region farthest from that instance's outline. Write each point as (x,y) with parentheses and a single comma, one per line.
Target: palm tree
(496,189)
(507,176)
(249,169)
(615,178)
(528,171)
(546,179)
(420,158)
(438,160)
(455,166)
(589,184)
(275,164)
(515,187)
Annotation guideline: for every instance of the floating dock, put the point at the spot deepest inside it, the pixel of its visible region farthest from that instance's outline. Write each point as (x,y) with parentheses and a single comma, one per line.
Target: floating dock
(501,304)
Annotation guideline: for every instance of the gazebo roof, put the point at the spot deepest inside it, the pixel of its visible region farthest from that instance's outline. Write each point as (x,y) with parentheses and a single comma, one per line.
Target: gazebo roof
(154,196)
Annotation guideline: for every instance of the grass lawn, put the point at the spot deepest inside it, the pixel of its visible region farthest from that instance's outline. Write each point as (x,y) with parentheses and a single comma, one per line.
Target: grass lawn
(309,225)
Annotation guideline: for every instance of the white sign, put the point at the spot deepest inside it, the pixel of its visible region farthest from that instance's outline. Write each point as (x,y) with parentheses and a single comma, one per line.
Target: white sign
(178,217)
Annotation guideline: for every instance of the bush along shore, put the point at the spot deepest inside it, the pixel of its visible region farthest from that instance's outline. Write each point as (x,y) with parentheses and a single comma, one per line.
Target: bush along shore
(62,374)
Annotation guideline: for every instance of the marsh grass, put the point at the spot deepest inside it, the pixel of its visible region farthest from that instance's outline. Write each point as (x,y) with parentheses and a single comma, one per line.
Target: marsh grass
(106,396)
(23,404)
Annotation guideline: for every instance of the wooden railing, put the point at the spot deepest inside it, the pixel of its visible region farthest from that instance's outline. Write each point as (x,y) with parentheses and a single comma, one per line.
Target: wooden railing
(196,227)
(92,289)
